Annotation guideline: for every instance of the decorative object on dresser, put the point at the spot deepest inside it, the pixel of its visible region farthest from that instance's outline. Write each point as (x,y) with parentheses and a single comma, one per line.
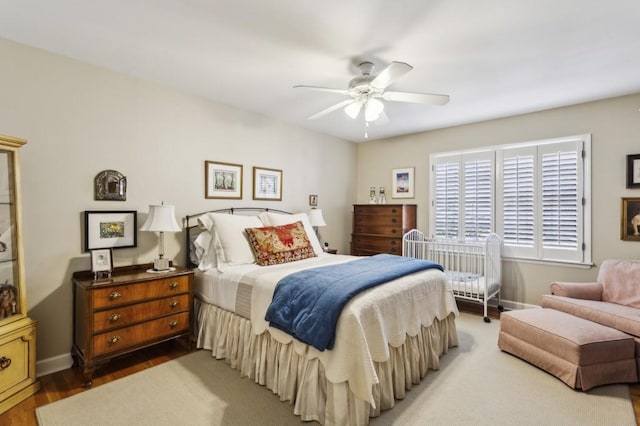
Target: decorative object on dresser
(110,229)
(161,219)
(222,180)
(379,228)
(131,310)
(267,184)
(17,330)
(402,183)
(101,262)
(110,185)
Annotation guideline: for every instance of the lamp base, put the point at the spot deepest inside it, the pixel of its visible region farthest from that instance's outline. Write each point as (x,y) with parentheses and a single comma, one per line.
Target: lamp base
(160,264)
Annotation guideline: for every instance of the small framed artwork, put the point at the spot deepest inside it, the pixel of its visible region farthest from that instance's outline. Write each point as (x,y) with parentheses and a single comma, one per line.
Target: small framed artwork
(101,260)
(633,171)
(313,200)
(267,184)
(110,229)
(402,183)
(630,223)
(222,180)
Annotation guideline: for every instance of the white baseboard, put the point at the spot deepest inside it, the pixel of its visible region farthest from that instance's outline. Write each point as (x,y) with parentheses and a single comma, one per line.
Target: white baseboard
(53,364)
(511,305)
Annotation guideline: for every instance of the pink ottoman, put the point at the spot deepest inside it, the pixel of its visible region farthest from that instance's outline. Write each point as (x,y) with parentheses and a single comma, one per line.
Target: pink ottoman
(579,352)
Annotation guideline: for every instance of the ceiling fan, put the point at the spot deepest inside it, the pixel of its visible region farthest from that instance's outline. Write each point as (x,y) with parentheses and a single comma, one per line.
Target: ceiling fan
(365,90)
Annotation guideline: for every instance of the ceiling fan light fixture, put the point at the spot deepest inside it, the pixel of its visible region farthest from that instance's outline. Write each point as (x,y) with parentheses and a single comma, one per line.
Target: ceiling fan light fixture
(373,109)
(353,109)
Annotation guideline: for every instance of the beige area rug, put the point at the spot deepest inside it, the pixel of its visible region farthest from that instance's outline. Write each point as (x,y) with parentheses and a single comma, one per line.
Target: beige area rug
(477,384)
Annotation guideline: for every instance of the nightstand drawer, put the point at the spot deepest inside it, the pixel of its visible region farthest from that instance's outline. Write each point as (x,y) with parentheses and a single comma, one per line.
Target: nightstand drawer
(123,294)
(124,338)
(123,316)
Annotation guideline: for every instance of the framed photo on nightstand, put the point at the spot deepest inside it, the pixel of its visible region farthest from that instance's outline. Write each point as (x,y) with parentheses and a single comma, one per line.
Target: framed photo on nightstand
(101,261)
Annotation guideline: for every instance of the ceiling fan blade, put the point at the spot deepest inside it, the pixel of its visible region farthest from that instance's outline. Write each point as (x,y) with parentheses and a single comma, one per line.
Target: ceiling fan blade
(323,89)
(418,98)
(331,109)
(394,71)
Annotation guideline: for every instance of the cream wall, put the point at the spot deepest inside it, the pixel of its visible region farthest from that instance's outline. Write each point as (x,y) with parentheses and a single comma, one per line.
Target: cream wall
(80,120)
(615,128)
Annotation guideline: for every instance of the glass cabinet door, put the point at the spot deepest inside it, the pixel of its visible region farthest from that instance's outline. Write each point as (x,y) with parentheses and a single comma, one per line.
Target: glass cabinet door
(9,283)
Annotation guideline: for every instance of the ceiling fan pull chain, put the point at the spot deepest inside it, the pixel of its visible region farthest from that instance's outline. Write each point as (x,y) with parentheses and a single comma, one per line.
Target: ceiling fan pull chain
(366,129)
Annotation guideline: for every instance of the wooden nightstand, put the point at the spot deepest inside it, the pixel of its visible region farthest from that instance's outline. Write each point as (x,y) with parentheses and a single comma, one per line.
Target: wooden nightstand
(131,310)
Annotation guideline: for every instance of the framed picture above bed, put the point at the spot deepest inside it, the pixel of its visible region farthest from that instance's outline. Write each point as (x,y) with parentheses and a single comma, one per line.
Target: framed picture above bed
(222,180)
(267,184)
(110,229)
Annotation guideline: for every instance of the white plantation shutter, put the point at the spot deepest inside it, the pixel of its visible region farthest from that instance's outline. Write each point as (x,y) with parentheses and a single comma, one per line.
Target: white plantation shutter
(478,195)
(446,204)
(535,195)
(463,195)
(518,201)
(561,200)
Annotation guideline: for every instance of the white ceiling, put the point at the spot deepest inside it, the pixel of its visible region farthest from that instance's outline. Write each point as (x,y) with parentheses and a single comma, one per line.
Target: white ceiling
(495,58)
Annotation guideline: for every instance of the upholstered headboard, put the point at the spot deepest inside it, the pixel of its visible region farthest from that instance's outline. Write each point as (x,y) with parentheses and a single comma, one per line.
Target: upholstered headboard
(193,227)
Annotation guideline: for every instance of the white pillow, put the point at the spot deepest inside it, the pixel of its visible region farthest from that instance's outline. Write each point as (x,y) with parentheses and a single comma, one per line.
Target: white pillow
(230,240)
(204,251)
(277,219)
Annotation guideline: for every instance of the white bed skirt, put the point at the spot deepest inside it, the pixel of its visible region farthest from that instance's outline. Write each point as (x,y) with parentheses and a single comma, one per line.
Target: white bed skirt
(302,381)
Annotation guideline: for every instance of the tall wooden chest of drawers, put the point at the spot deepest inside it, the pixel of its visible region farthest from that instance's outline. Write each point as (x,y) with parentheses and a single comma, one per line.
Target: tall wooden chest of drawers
(131,310)
(378,228)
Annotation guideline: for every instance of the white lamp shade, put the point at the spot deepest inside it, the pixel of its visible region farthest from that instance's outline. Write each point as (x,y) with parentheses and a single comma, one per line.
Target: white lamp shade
(315,217)
(353,109)
(161,219)
(373,109)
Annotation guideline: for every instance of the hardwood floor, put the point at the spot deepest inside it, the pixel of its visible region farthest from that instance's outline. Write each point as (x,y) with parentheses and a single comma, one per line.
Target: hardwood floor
(69,382)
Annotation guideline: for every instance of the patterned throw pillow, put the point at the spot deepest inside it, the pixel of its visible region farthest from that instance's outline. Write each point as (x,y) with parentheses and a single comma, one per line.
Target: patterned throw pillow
(280,244)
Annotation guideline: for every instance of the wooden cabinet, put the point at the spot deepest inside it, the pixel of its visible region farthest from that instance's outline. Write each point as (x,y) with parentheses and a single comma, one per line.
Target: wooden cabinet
(17,330)
(378,228)
(130,310)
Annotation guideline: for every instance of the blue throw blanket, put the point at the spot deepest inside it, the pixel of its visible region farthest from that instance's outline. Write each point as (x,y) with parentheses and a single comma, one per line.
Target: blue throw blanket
(307,304)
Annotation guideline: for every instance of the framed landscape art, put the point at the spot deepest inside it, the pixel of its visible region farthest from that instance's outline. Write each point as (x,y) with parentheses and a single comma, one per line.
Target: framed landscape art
(222,180)
(110,229)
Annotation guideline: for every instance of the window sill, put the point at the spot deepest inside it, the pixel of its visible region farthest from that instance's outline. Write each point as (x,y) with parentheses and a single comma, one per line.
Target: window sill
(562,263)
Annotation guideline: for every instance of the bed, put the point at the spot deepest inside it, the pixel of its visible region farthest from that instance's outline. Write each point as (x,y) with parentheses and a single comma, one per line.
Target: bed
(386,339)
(473,268)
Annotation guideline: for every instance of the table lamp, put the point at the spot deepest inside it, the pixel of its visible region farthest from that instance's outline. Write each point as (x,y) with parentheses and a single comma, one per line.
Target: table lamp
(161,219)
(316,219)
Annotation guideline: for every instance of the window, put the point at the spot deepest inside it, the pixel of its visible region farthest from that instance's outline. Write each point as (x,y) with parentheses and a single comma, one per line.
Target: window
(533,195)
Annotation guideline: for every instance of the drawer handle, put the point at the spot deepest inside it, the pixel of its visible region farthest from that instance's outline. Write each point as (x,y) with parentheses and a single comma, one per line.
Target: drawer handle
(173,304)
(173,324)
(5,363)
(173,285)
(393,243)
(114,317)
(393,231)
(114,339)
(394,220)
(114,295)
(394,211)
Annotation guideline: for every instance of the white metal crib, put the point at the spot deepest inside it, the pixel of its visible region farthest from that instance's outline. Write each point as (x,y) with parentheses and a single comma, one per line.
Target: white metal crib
(474,269)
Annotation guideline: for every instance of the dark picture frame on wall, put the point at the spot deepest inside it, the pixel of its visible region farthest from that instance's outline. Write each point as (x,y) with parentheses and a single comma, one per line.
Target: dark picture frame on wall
(630,222)
(110,229)
(633,171)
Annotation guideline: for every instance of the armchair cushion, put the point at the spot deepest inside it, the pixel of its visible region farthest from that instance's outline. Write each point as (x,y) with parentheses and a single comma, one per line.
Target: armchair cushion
(620,279)
(587,291)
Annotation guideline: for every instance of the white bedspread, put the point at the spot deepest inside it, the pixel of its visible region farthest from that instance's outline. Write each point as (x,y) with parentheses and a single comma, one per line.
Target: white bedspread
(374,319)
